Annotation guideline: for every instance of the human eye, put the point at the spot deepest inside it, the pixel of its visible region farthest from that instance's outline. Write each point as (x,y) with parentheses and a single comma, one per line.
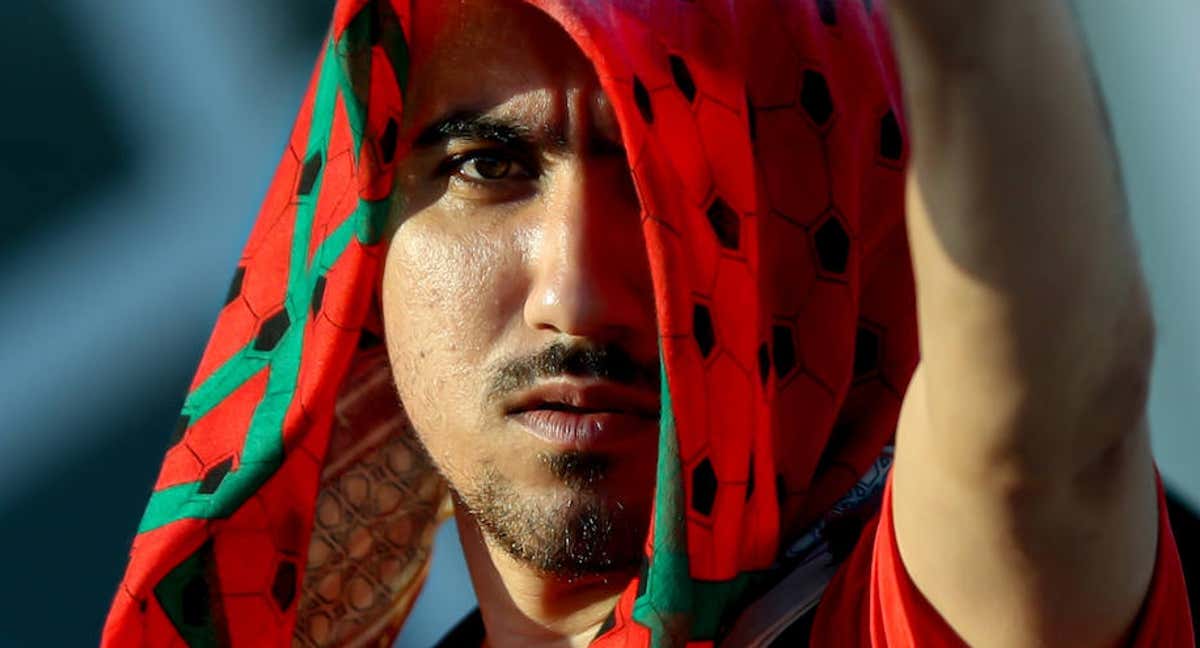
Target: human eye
(487,167)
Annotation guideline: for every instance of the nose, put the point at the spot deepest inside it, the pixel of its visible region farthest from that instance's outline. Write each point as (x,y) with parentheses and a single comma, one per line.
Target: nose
(590,271)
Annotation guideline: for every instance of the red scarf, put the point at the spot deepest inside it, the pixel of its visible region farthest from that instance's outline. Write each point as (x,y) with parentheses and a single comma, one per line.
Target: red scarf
(767,144)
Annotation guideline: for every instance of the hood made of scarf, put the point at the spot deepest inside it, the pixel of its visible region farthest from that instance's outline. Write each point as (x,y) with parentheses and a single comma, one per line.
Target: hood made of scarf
(767,146)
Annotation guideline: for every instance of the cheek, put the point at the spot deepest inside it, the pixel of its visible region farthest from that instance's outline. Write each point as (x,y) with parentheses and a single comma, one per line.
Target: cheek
(447,298)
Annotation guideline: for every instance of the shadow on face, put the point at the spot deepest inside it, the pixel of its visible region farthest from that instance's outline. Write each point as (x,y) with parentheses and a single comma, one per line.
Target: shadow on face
(518,304)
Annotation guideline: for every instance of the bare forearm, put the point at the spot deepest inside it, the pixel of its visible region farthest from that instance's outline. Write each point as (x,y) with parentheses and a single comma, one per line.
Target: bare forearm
(1035,327)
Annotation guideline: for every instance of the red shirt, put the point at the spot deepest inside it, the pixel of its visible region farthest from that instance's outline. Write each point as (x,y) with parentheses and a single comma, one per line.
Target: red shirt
(873,602)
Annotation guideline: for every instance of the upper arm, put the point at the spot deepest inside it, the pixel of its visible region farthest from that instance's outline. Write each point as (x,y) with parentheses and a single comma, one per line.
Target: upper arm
(1023,487)
(1018,562)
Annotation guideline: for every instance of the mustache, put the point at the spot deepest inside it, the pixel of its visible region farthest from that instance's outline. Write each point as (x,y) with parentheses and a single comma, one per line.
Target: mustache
(607,362)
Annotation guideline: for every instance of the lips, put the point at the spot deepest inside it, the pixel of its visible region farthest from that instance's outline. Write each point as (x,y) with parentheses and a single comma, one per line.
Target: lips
(587,397)
(581,415)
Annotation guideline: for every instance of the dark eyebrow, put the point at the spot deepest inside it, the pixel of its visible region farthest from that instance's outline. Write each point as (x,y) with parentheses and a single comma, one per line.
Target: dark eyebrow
(475,126)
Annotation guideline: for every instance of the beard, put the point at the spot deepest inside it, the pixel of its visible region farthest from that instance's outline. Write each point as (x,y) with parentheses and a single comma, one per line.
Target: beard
(576,532)
(587,523)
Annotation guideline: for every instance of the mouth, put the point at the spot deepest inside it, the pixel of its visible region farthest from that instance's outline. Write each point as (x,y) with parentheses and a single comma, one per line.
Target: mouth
(581,416)
(564,407)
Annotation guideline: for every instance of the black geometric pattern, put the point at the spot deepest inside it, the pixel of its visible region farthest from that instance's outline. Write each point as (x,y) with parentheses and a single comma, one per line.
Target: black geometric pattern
(866,352)
(387,142)
(235,285)
(283,589)
(368,340)
(272,331)
(195,601)
(833,246)
(185,595)
(815,97)
(642,98)
(181,427)
(785,350)
(891,142)
(827,11)
(704,487)
(215,475)
(308,177)
(702,329)
(318,295)
(683,77)
(725,223)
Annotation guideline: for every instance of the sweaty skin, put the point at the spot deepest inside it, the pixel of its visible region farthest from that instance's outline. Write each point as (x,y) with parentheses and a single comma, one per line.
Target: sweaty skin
(517,261)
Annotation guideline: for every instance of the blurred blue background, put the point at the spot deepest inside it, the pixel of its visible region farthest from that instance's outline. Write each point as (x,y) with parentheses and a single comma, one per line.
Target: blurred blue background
(140,137)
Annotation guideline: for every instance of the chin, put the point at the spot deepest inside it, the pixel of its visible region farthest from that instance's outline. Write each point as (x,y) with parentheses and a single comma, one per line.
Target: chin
(576,529)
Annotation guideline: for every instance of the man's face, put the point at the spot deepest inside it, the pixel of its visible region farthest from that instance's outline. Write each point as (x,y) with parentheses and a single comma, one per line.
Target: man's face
(518,304)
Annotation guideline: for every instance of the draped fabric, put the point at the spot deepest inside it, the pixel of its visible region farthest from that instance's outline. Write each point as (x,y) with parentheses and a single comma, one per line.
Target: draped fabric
(767,146)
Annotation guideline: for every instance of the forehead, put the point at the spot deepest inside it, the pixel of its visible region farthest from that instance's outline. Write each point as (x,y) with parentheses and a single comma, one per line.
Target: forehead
(480,55)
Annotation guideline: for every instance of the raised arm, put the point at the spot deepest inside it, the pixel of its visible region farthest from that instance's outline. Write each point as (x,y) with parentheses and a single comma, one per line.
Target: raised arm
(1024,495)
